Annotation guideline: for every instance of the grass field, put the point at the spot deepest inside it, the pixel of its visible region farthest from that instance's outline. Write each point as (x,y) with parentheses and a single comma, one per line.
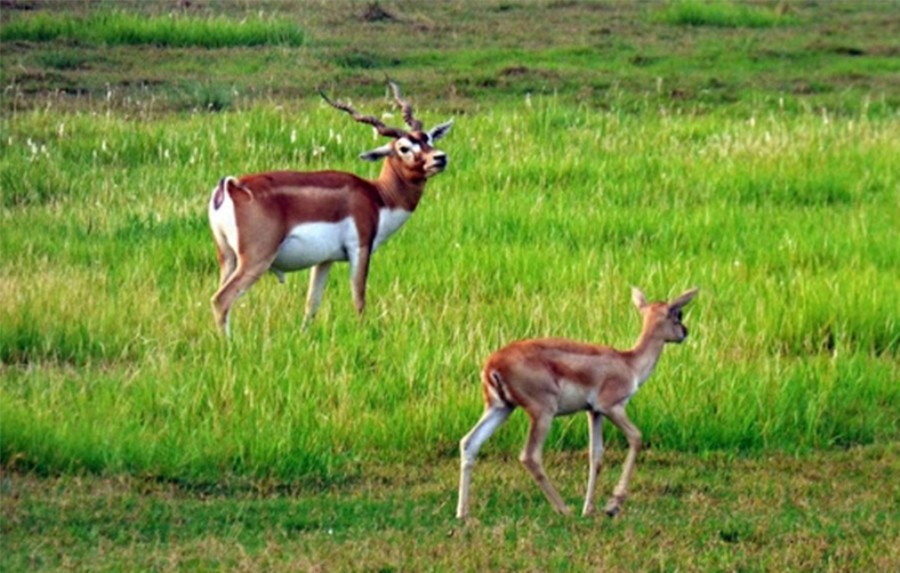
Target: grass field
(747,149)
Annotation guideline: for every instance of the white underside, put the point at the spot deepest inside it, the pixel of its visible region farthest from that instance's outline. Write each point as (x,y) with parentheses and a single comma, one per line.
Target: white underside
(575,398)
(308,244)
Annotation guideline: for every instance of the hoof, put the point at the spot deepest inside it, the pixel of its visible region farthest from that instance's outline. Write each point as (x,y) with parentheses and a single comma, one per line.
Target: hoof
(612,508)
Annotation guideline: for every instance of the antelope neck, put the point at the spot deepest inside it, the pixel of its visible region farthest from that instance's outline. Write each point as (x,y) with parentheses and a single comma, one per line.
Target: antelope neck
(644,355)
(397,192)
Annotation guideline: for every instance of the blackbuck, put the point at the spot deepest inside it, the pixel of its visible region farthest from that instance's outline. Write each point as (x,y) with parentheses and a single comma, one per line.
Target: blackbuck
(551,377)
(286,221)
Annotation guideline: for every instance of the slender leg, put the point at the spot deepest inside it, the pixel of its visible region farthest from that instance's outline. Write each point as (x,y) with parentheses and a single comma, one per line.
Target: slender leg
(531,458)
(618,417)
(492,419)
(318,276)
(595,420)
(359,272)
(240,280)
(227,262)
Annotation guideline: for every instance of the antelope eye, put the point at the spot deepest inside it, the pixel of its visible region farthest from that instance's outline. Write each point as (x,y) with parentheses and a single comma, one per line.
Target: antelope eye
(404,149)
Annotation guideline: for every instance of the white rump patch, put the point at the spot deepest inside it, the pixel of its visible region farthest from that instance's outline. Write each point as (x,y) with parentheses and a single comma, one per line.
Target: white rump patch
(222,220)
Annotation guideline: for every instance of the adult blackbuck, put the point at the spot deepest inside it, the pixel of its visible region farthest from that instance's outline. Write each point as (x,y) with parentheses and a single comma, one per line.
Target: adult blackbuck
(287,221)
(551,377)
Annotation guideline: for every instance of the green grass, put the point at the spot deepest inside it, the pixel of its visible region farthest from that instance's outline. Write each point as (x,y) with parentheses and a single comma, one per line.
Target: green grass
(714,513)
(785,222)
(840,55)
(722,14)
(171,31)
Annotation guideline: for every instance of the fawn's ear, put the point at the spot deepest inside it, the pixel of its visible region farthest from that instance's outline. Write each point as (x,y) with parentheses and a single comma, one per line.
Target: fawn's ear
(684,298)
(638,298)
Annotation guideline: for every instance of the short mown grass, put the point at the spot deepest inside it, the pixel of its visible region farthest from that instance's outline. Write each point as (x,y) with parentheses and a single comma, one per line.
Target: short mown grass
(687,512)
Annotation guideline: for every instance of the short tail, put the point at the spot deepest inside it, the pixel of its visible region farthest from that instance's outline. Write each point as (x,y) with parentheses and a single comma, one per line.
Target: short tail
(222,188)
(495,387)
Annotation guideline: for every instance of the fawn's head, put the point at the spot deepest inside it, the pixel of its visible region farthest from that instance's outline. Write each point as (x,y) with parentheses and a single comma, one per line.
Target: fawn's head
(664,319)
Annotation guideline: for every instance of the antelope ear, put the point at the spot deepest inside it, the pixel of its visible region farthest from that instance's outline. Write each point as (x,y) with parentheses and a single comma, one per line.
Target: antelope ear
(440,131)
(377,153)
(638,298)
(684,298)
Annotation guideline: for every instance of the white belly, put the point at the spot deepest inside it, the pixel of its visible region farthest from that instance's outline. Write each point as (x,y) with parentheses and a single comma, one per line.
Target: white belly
(574,398)
(309,244)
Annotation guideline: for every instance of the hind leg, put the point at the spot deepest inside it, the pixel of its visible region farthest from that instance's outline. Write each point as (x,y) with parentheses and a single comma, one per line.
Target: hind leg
(532,459)
(227,262)
(492,419)
(234,286)
(318,276)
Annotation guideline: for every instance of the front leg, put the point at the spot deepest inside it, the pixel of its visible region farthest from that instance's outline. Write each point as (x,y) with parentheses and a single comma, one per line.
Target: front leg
(318,276)
(618,417)
(595,421)
(359,272)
